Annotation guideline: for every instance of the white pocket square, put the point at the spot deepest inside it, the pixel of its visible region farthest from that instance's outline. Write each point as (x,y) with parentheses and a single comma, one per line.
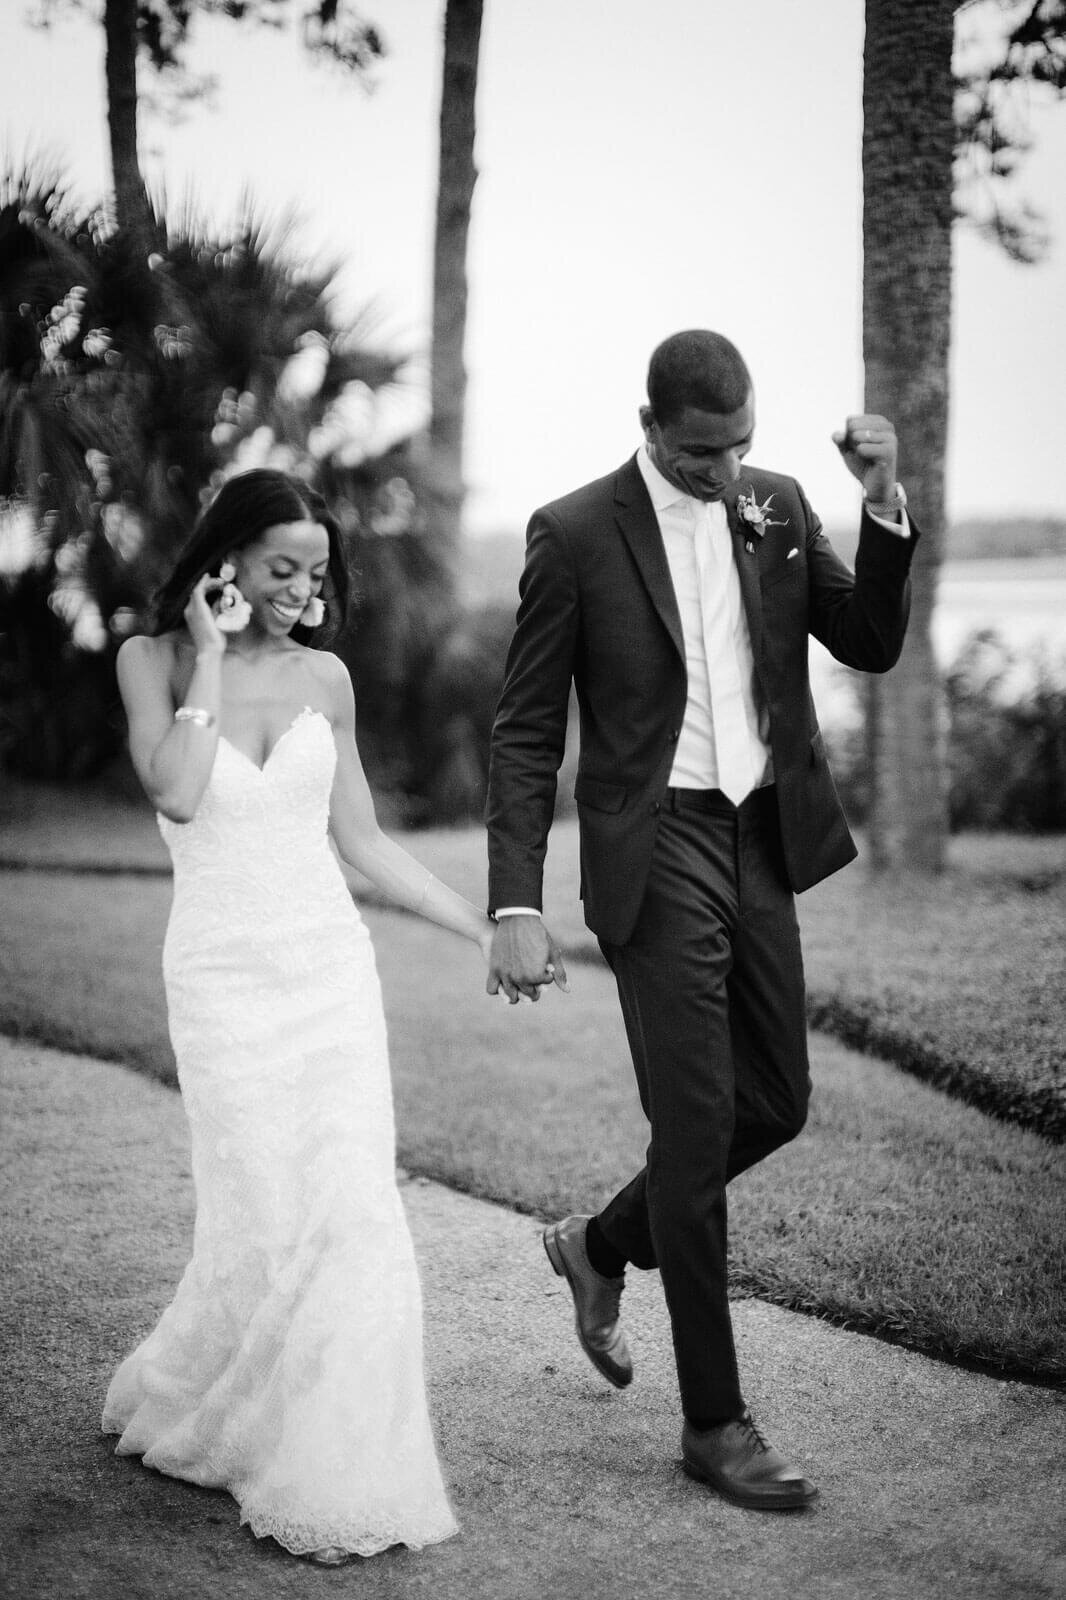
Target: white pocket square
(791,553)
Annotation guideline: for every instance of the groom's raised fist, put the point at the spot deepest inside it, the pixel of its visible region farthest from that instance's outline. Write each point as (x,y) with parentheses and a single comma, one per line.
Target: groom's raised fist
(869,447)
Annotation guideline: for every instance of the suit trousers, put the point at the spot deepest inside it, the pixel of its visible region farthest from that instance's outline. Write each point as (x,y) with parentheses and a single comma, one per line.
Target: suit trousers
(712,993)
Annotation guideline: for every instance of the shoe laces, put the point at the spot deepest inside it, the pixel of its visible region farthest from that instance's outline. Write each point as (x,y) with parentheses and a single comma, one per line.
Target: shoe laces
(749,1427)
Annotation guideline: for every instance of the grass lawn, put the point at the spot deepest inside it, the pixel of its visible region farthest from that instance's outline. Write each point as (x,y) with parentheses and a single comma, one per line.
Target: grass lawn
(961,980)
(899,1211)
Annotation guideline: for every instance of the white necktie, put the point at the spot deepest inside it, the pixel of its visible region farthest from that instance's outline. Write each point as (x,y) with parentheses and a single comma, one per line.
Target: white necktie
(719,599)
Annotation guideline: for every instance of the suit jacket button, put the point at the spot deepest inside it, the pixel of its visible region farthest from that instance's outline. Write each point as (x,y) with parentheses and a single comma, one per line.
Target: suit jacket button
(656,806)
(675,734)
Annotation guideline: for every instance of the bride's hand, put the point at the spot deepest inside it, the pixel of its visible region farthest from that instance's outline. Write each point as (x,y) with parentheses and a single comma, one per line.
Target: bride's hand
(200,618)
(484,940)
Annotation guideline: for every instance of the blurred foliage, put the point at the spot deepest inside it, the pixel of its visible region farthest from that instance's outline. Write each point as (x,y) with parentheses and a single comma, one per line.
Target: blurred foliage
(1005,741)
(125,397)
(1007,744)
(1002,72)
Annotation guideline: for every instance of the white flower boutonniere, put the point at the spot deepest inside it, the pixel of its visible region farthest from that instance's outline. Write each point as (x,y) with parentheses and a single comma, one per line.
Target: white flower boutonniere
(756,518)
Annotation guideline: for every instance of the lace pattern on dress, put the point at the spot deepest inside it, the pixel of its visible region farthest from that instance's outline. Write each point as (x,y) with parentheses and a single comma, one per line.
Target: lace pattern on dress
(288,1367)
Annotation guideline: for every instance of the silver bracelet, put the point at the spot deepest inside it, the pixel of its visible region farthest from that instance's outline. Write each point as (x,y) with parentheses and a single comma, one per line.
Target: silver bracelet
(196,714)
(426,887)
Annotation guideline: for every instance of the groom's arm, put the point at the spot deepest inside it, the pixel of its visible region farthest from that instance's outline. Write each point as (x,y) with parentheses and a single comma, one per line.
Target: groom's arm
(529,733)
(861,617)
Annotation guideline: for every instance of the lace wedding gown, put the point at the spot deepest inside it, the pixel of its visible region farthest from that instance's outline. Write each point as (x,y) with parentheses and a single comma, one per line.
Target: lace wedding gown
(288,1367)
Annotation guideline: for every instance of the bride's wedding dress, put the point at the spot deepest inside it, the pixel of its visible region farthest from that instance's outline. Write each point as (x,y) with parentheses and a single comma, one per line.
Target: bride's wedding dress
(288,1367)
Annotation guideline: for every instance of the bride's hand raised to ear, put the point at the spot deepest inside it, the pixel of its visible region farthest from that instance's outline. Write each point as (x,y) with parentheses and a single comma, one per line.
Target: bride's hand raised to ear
(200,620)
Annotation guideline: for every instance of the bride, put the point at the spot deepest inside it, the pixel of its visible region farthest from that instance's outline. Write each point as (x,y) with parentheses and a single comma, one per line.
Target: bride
(288,1367)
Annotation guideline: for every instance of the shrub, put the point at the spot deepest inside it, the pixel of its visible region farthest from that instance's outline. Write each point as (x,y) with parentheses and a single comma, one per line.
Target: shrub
(1007,747)
(1006,742)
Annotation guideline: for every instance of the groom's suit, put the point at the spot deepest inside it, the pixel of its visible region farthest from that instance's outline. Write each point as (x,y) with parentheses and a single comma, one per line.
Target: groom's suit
(691,897)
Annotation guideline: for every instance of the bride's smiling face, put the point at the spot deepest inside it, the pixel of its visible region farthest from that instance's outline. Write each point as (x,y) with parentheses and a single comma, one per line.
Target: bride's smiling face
(280,572)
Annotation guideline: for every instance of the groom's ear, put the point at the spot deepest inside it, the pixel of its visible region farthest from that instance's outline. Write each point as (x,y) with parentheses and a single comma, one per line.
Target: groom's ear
(647,417)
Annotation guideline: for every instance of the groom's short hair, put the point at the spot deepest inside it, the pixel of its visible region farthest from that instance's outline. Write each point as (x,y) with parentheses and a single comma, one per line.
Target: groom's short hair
(696,368)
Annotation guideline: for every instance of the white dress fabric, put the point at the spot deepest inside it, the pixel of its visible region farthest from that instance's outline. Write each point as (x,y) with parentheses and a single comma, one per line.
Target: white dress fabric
(288,1368)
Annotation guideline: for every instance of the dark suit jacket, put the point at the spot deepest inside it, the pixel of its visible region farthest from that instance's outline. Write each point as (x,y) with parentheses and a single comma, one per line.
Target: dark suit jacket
(598,608)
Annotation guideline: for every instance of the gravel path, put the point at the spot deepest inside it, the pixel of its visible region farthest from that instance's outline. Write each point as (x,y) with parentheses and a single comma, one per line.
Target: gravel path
(935,1482)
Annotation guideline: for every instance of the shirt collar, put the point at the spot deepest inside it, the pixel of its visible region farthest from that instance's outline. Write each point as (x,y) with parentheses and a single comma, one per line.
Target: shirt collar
(663,493)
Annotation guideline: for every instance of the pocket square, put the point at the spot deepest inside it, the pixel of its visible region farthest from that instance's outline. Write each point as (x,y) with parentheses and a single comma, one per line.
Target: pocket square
(791,553)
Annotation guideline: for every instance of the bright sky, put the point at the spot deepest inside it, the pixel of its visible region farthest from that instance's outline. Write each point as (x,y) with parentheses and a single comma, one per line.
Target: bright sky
(643,168)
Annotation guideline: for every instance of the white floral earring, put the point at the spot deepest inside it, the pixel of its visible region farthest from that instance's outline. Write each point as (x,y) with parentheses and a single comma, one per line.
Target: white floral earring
(314,612)
(234,612)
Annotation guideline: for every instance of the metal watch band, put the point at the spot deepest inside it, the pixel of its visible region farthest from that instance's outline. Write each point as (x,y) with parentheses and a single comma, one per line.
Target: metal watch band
(896,502)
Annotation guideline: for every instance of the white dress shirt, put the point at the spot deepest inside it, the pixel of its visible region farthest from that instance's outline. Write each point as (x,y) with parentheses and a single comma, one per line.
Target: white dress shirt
(724,740)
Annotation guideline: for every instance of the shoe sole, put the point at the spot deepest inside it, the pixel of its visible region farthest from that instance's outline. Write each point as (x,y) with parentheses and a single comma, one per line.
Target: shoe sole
(561,1270)
(780,1501)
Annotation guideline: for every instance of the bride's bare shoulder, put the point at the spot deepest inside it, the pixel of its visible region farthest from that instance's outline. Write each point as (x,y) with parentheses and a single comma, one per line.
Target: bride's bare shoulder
(327,669)
(147,652)
(333,681)
(144,660)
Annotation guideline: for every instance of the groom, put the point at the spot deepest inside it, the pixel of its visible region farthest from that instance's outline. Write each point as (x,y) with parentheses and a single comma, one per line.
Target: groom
(677,594)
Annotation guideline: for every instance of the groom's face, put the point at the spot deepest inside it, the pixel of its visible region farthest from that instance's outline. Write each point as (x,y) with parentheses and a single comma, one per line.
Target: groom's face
(700,452)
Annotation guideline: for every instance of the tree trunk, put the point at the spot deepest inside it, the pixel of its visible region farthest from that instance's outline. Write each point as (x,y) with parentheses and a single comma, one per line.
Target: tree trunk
(907,154)
(455,189)
(131,201)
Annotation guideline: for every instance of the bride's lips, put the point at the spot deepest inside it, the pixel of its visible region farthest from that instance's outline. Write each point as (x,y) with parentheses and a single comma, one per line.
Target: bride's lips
(286,613)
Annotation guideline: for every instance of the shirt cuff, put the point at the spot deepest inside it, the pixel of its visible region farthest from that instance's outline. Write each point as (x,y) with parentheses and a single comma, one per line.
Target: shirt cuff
(515,911)
(900,526)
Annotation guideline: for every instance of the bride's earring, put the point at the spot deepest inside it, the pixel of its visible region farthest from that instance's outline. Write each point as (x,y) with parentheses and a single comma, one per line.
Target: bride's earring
(234,612)
(314,612)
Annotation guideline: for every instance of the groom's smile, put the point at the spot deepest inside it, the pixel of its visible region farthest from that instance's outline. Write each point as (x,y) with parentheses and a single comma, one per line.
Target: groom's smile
(700,452)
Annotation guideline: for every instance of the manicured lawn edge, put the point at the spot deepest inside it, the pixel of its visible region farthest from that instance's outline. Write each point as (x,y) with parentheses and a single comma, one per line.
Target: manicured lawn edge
(892,1329)
(893,1326)
(1042,1109)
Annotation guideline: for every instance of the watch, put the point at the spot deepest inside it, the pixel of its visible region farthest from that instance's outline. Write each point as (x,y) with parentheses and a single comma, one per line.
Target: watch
(897,501)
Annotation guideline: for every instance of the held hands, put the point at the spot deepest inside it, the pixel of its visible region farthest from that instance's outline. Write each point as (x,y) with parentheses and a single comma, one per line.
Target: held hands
(200,619)
(523,956)
(868,445)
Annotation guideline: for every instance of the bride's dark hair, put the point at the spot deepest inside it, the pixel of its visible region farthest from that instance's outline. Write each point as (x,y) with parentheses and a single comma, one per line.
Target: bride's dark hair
(241,512)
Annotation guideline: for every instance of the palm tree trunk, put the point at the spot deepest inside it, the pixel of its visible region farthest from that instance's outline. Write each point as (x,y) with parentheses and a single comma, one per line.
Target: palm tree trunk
(455,189)
(907,154)
(131,201)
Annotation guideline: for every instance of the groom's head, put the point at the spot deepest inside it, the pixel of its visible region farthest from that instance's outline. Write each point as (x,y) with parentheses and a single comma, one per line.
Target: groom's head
(700,414)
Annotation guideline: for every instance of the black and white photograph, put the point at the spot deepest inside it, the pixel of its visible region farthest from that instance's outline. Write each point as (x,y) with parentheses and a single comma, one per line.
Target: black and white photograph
(532,799)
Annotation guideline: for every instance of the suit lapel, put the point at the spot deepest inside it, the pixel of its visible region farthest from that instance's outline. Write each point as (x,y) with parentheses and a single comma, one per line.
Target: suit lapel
(747,562)
(640,529)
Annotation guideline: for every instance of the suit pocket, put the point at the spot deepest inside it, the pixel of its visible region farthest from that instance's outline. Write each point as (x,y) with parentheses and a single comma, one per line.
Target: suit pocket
(600,796)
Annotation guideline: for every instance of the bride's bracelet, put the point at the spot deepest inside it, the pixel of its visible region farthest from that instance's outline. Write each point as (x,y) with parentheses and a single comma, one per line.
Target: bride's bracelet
(426,887)
(196,715)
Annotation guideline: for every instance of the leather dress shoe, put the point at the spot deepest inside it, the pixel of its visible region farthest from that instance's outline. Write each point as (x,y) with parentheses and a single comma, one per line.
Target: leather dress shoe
(596,1300)
(736,1460)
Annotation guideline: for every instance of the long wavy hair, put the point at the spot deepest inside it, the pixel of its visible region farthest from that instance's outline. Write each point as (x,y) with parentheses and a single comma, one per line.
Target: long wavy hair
(241,512)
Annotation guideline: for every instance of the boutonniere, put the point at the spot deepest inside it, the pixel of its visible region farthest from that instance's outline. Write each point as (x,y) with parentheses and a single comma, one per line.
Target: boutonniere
(756,518)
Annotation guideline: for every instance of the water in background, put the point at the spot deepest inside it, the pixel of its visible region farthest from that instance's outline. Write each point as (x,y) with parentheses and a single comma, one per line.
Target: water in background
(1023,601)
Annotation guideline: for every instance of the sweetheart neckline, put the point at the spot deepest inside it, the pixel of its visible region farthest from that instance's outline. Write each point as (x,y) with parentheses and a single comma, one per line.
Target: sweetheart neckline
(308,711)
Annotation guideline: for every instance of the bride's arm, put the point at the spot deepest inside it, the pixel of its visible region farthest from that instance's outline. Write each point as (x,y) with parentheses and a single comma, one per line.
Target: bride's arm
(173,759)
(359,839)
